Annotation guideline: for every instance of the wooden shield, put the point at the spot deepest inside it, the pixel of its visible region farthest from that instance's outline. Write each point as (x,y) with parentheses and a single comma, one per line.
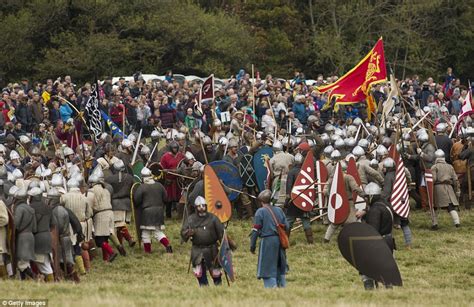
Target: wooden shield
(136,213)
(359,202)
(57,253)
(259,166)
(216,198)
(363,247)
(322,177)
(246,170)
(229,174)
(338,203)
(303,192)
(11,238)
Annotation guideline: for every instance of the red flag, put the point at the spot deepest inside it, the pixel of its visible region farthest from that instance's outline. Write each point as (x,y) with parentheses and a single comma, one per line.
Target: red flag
(322,177)
(359,203)
(338,209)
(399,199)
(303,191)
(355,85)
(207,89)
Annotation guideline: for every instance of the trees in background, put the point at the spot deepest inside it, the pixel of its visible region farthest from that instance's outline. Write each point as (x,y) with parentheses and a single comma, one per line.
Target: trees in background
(86,38)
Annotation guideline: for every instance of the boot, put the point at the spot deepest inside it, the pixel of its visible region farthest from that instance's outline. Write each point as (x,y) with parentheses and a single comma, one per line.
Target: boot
(115,241)
(309,235)
(49,278)
(72,274)
(3,272)
(119,235)
(147,248)
(26,274)
(79,263)
(169,249)
(108,253)
(122,250)
(369,284)
(86,260)
(93,251)
(127,236)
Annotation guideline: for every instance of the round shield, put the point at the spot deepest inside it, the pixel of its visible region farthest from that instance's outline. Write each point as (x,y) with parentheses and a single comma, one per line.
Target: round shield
(229,174)
(137,170)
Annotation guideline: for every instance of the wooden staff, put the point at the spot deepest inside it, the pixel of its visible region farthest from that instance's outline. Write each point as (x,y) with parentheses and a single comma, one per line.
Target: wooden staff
(202,148)
(289,134)
(253,95)
(123,118)
(24,149)
(311,220)
(134,157)
(151,155)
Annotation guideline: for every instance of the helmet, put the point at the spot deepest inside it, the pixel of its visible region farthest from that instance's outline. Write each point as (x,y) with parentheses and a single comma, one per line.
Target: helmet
(200,201)
(388,163)
(439,153)
(339,144)
(52,193)
(68,151)
(14,155)
(119,165)
(217,122)
(329,128)
(386,141)
(180,136)
(265,196)
(57,180)
(223,140)
(197,166)
(24,139)
(146,172)
(73,183)
(17,174)
(155,135)
(173,144)
(3,149)
(381,131)
(363,143)
(298,158)
(335,155)
(188,155)
(312,119)
(233,143)
(441,127)
(357,121)
(311,143)
(406,137)
(20,193)
(131,137)
(334,138)
(299,131)
(325,138)
(328,150)
(35,191)
(277,146)
(358,151)
(372,189)
(352,130)
(145,150)
(350,142)
(374,163)
(206,140)
(381,150)
(35,151)
(126,143)
(423,137)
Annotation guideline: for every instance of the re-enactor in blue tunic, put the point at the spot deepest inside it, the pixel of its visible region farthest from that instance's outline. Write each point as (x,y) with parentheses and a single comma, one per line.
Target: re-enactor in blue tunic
(272,265)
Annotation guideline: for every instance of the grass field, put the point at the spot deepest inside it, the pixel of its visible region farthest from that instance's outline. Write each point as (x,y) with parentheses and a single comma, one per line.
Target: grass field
(438,270)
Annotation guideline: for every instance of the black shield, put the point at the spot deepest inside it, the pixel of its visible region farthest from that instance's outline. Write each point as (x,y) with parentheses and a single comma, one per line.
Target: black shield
(363,247)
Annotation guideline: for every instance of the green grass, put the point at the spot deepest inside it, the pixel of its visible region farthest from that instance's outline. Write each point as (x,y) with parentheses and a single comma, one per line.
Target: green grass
(438,270)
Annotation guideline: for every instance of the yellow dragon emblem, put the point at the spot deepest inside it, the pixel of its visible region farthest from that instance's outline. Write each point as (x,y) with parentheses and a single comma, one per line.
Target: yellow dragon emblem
(372,68)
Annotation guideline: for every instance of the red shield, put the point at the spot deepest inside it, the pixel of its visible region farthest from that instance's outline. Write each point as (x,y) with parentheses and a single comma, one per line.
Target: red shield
(430,190)
(352,170)
(303,192)
(322,177)
(338,208)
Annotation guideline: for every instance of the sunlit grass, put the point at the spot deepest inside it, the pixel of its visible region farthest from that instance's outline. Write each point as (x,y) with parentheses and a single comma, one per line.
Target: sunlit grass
(438,270)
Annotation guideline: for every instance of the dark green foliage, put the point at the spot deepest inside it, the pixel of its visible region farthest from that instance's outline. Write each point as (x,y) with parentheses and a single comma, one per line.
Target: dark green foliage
(84,38)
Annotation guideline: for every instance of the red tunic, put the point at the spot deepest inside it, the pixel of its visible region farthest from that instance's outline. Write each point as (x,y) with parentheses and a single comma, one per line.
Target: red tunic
(170,162)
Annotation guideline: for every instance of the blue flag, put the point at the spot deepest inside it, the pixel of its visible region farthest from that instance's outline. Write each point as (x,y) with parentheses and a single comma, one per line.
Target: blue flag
(113,127)
(225,257)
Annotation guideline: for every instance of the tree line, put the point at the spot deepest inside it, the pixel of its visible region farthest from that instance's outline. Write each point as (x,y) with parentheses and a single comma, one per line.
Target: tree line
(85,38)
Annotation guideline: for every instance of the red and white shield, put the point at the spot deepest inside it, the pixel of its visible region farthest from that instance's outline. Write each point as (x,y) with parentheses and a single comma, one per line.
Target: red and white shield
(322,177)
(360,203)
(338,204)
(303,192)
